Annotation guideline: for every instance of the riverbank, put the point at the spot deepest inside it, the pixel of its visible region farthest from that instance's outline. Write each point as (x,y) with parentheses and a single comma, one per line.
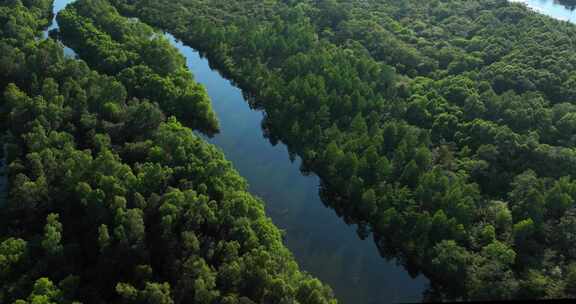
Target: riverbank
(322,244)
(279,214)
(129,204)
(446,145)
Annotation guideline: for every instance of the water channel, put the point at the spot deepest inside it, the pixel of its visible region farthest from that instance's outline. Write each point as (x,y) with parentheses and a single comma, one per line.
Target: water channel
(321,242)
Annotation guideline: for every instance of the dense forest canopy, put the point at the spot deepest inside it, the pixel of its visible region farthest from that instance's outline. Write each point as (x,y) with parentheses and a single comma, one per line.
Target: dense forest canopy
(144,61)
(111,198)
(446,127)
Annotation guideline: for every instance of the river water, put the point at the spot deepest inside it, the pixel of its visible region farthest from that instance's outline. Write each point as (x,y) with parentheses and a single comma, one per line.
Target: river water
(321,242)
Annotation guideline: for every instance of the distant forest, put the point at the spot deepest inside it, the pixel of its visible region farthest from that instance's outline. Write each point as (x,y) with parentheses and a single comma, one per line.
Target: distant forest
(445,128)
(112,196)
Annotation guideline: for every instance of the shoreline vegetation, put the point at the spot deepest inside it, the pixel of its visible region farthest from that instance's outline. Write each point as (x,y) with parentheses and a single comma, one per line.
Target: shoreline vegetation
(442,127)
(111,198)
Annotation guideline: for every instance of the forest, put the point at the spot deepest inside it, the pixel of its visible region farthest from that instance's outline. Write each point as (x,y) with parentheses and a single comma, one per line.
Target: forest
(444,128)
(113,195)
(143,61)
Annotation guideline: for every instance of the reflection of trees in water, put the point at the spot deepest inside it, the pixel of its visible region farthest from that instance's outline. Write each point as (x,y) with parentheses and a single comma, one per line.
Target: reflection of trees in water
(349,212)
(569,4)
(389,246)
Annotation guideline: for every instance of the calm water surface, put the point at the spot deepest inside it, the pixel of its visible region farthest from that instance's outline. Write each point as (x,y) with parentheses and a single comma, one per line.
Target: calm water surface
(321,242)
(551,8)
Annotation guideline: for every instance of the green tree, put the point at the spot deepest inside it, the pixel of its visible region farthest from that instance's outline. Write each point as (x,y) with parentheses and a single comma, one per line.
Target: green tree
(52,241)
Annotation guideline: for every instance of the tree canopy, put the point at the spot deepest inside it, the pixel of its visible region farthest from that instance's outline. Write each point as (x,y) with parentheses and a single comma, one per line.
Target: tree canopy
(444,126)
(111,198)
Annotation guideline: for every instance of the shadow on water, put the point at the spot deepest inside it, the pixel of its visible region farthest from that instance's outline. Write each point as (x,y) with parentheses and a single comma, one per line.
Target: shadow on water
(322,244)
(319,239)
(315,233)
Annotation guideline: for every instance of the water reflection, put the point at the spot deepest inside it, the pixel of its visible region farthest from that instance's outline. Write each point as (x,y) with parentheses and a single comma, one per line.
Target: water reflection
(557,9)
(321,242)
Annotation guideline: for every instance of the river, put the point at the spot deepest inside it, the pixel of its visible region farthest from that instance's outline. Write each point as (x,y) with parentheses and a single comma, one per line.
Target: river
(320,240)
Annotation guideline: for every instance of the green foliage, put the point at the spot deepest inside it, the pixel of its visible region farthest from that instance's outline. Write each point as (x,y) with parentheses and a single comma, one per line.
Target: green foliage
(109,200)
(12,252)
(443,125)
(147,65)
(153,293)
(43,292)
(52,241)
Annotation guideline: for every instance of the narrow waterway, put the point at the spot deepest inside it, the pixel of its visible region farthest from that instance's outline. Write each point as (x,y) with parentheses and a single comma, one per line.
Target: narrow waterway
(321,242)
